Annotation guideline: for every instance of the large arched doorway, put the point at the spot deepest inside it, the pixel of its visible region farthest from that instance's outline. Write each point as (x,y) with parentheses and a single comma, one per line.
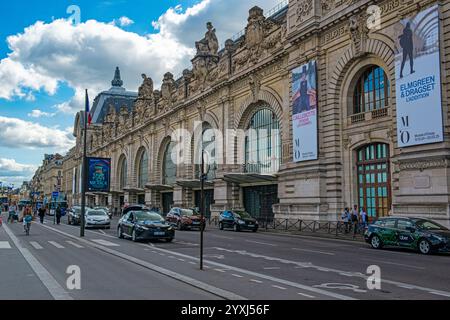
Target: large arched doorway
(142,174)
(374,186)
(262,157)
(169,176)
(123,178)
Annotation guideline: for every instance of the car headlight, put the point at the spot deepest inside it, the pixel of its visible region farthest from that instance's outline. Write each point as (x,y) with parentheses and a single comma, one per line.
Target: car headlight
(241,221)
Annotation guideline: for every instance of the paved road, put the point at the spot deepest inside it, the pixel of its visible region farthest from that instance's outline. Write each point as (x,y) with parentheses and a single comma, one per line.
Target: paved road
(246,265)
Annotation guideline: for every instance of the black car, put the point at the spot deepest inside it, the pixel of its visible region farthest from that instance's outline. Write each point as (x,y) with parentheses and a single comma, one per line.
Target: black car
(144,225)
(237,220)
(74,216)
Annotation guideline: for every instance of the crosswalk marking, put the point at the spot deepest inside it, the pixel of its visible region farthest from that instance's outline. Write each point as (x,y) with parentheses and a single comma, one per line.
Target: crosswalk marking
(74,244)
(105,243)
(5,245)
(56,244)
(306,295)
(36,245)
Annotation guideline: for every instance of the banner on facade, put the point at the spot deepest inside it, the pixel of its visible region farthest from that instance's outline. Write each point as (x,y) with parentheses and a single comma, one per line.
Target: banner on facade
(418,79)
(304,113)
(99,175)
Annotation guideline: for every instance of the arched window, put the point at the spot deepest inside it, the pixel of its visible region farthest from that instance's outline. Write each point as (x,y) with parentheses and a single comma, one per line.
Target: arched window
(374,179)
(169,167)
(372,91)
(143,170)
(263,143)
(123,173)
(208,144)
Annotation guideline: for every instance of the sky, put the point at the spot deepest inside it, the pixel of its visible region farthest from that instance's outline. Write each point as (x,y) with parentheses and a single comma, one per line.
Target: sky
(49,54)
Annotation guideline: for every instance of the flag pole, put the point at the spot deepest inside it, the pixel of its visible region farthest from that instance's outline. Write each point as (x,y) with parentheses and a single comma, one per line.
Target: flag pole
(84,169)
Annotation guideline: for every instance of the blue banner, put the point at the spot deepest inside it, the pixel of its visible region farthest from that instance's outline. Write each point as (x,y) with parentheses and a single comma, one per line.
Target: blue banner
(99,175)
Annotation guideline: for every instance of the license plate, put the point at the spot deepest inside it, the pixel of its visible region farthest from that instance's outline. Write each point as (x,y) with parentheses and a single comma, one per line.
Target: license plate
(195,222)
(159,233)
(251,225)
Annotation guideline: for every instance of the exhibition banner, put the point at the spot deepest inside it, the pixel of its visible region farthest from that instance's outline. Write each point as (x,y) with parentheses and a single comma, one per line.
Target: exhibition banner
(418,79)
(304,113)
(99,175)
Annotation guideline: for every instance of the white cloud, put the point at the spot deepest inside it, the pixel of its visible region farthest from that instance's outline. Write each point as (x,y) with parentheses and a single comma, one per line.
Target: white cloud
(85,55)
(39,114)
(122,22)
(18,134)
(15,173)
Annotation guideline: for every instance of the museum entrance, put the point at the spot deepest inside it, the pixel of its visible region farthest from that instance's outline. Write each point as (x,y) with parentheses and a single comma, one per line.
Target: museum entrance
(374,189)
(259,201)
(209,200)
(167,202)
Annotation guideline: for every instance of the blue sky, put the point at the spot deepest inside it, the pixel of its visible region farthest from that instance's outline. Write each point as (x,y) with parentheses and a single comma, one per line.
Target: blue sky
(44,66)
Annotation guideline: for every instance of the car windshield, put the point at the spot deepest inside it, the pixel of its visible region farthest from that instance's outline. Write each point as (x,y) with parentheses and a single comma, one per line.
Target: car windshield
(96,213)
(187,212)
(147,215)
(429,225)
(243,214)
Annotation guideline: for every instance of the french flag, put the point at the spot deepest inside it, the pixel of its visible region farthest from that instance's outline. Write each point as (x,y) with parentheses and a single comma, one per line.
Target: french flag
(89,116)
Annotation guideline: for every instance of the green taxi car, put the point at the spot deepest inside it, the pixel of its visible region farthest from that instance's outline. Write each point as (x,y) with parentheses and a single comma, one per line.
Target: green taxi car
(423,235)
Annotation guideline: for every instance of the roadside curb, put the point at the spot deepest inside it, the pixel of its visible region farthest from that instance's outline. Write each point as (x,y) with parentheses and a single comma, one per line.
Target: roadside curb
(358,240)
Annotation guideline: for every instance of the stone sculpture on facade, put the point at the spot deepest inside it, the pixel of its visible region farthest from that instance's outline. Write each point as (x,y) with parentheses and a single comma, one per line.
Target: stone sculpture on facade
(144,105)
(209,45)
(358,31)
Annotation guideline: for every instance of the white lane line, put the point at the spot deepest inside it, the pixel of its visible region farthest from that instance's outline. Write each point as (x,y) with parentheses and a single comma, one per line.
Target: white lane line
(306,295)
(76,245)
(105,243)
(36,245)
(5,245)
(278,287)
(256,281)
(314,251)
(56,244)
(263,243)
(56,291)
(181,260)
(440,294)
(192,262)
(172,257)
(164,271)
(102,232)
(219,270)
(272,268)
(395,264)
(236,275)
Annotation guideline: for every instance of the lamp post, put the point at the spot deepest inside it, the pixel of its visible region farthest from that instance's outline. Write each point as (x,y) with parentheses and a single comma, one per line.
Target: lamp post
(204,170)
(84,170)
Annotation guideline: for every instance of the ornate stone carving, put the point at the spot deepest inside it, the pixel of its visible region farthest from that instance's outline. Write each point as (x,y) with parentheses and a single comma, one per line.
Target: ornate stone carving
(201,108)
(146,89)
(168,94)
(255,86)
(424,164)
(358,31)
(304,9)
(209,45)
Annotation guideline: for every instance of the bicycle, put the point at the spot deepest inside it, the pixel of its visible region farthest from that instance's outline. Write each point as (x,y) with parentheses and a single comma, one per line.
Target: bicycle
(27,228)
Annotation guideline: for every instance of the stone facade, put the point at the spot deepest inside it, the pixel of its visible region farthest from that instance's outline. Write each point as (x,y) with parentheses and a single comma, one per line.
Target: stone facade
(226,88)
(49,177)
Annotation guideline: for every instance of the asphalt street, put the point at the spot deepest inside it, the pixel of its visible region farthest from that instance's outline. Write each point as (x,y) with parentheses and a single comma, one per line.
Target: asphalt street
(256,266)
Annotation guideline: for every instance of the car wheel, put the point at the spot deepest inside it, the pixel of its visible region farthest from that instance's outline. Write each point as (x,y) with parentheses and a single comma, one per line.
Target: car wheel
(236,228)
(375,242)
(220,226)
(169,240)
(424,246)
(119,232)
(133,236)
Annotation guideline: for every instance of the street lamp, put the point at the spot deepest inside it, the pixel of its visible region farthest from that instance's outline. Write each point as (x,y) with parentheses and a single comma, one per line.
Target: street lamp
(204,170)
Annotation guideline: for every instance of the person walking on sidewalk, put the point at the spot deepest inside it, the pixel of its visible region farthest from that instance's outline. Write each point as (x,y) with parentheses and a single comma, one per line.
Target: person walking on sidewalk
(355,221)
(58,215)
(344,217)
(12,213)
(364,218)
(41,214)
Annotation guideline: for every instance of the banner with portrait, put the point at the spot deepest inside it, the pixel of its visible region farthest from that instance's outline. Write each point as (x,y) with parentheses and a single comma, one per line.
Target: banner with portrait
(304,112)
(418,79)
(99,175)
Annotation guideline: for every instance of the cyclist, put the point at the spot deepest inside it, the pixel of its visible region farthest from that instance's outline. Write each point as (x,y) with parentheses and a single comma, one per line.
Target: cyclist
(28,217)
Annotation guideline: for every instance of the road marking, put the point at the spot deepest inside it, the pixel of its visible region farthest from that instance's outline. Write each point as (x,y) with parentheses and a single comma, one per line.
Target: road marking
(105,243)
(102,232)
(306,295)
(56,244)
(440,294)
(256,281)
(75,244)
(272,268)
(181,260)
(314,251)
(221,270)
(278,287)
(171,257)
(263,243)
(56,291)
(394,263)
(164,271)
(36,245)
(5,245)
(236,275)
(192,262)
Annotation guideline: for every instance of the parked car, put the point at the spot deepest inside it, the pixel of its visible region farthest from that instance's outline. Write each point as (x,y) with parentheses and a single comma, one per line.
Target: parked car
(106,209)
(97,219)
(134,207)
(186,219)
(144,225)
(423,235)
(74,216)
(238,221)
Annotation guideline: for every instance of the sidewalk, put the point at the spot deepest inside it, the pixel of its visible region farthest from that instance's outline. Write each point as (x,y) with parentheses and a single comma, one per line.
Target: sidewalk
(349,237)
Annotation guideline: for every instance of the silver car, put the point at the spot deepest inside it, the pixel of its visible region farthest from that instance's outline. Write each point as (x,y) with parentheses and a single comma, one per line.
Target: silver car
(97,219)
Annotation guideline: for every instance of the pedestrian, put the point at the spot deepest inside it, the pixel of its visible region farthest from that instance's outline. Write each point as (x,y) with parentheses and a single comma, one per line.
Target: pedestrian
(58,213)
(12,213)
(364,218)
(344,217)
(41,214)
(354,221)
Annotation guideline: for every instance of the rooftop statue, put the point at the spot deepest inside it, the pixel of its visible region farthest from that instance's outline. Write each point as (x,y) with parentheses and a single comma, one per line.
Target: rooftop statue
(209,44)
(146,89)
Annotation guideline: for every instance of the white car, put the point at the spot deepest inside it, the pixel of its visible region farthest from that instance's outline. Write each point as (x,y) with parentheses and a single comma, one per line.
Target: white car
(97,219)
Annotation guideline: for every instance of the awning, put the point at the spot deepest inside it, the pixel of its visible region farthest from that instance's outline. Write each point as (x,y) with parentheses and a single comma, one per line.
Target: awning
(194,184)
(158,187)
(101,193)
(247,178)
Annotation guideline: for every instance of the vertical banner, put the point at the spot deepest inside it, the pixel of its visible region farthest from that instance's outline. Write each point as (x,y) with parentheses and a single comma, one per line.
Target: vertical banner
(304,113)
(99,175)
(418,79)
